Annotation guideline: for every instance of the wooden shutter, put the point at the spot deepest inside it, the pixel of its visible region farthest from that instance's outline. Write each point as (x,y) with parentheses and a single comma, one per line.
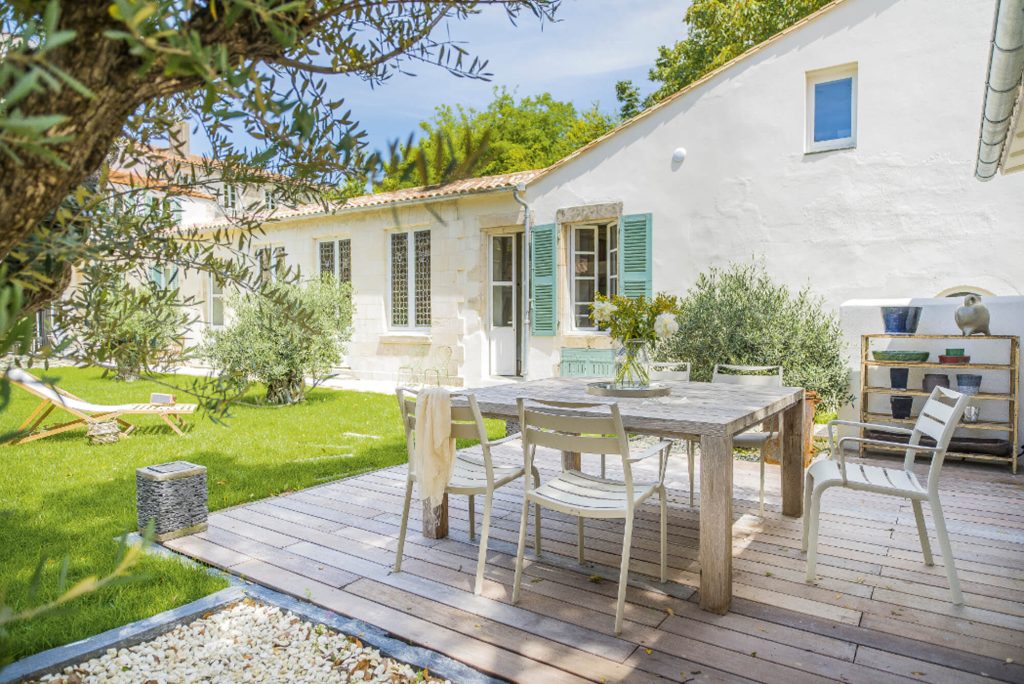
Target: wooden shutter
(543,279)
(156,275)
(635,255)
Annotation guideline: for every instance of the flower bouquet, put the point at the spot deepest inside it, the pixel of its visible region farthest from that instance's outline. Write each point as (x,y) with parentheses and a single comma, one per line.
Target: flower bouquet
(635,323)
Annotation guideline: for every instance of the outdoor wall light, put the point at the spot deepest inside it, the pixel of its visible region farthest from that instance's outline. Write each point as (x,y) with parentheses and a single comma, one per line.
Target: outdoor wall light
(679,155)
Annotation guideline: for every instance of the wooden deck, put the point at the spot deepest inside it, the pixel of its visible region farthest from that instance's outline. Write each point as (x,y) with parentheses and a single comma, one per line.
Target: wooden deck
(877,613)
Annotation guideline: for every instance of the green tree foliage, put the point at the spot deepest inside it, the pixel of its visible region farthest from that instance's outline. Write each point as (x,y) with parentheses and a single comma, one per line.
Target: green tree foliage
(87,86)
(280,341)
(129,327)
(509,135)
(738,315)
(716,32)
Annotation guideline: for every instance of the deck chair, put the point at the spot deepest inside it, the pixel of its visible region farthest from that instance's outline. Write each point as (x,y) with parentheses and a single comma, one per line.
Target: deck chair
(83,411)
(938,419)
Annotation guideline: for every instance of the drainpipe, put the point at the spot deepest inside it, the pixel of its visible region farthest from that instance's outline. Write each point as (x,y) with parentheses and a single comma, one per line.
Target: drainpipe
(1002,86)
(517,196)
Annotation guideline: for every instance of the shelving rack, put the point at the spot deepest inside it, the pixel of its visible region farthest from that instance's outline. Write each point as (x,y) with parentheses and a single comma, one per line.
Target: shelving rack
(1011,396)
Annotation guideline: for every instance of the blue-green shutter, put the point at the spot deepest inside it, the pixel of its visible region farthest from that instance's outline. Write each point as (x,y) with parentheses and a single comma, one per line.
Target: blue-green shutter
(591,363)
(156,276)
(635,255)
(172,284)
(543,279)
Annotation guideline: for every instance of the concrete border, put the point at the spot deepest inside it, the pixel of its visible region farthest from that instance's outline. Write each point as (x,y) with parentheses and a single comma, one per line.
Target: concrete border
(58,658)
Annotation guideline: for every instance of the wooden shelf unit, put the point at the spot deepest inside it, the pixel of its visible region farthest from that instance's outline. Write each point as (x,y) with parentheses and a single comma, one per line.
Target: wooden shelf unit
(1011,396)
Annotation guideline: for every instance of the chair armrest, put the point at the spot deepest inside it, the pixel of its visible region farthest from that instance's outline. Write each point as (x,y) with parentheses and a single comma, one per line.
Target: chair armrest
(883,442)
(874,426)
(652,451)
(510,438)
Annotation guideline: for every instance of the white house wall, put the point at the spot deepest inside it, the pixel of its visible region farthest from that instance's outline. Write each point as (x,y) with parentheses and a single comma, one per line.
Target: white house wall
(899,216)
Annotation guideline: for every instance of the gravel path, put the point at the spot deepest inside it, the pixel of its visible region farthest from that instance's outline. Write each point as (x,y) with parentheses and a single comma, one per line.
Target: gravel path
(244,642)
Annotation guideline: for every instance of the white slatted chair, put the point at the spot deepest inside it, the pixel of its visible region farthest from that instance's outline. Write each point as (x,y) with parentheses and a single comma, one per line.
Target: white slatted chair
(474,473)
(680,372)
(938,420)
(562,426)
(753,376)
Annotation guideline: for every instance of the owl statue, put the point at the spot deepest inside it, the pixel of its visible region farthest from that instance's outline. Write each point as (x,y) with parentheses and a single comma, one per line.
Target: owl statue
(972,317)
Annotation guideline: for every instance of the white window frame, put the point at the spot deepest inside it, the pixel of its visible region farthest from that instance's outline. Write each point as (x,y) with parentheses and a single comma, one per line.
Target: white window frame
(230,198)
(336,252)
(278,265)
(410,280)
(269,200)
(211,296)
(612,257)
(817,77)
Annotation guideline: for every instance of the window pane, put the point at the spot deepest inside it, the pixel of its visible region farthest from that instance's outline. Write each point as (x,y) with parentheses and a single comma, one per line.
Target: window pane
(216,311)
(602,259)
(584,239)
(501,296)
(400,279)
(833,110)
(326,258)
(584,291)
(502,259)
(583,316)
(422,240)
(345,261)
(584,264)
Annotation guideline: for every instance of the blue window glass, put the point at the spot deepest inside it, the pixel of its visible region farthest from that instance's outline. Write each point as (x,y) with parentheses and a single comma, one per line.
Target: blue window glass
(833,110)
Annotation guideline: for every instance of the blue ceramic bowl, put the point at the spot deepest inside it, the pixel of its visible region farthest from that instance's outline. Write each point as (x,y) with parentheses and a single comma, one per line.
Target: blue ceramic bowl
(901,320)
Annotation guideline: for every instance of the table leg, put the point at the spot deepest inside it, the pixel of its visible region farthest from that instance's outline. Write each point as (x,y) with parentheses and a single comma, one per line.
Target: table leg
(716,463)
(793,460)
(440,529)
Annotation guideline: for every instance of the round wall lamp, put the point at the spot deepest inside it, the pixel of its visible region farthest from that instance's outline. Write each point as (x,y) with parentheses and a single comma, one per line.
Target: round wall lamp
(679,155)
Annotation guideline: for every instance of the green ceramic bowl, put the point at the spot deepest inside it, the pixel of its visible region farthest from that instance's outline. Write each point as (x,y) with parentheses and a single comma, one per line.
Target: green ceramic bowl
(954,352)
(901,356)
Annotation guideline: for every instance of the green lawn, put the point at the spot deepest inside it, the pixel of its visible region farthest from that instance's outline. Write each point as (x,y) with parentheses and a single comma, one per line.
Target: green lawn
(60,496)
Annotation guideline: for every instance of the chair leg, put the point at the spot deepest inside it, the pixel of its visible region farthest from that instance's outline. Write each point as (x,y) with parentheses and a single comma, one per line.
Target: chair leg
(602,465)
(947,551)
(922,532)
(627,542)
(536,516)
(404,526)
(760,507)
(812,542)
(521,550)
(691,455)
(579,539)
(484,533)
(472,518)
(808,488)
(664,533)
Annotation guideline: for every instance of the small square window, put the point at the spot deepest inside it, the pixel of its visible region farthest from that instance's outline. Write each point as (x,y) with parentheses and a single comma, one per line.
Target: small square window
(832,109)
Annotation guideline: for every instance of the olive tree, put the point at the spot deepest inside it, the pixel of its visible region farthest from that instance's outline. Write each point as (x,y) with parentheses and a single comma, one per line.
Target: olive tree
(87,86)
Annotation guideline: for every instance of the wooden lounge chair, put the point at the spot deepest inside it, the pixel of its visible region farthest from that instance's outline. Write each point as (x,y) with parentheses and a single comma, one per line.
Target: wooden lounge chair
(83,411)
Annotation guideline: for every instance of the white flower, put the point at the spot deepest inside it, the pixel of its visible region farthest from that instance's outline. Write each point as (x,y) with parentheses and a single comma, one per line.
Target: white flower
(603,312)
(666,325)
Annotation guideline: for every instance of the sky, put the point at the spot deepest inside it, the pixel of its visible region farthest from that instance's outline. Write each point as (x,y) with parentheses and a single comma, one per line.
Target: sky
(579,58)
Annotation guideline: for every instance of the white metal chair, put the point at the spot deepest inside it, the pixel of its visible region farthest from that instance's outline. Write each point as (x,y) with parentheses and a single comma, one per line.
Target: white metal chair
(938,420)
(564,426)
(474,473)
(757,376)
(679,371)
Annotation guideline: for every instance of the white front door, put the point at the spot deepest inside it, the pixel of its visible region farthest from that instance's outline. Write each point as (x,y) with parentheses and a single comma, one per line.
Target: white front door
(505,304)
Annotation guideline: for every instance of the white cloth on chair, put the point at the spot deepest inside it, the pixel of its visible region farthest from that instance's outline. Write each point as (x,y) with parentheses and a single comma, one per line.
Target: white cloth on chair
(435,447)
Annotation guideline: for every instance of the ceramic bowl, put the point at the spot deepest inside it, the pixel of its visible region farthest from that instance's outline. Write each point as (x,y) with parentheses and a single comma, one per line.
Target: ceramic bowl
(954,360)
(954,352)
(905,356)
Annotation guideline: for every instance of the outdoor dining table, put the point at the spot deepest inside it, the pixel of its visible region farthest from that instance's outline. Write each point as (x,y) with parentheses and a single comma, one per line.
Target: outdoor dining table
(710,413)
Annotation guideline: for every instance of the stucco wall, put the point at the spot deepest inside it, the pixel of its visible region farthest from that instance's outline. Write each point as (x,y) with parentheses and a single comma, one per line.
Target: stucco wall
(899,216)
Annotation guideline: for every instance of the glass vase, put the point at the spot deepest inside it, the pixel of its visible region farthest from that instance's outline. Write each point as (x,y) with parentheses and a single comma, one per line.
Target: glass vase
(633,364)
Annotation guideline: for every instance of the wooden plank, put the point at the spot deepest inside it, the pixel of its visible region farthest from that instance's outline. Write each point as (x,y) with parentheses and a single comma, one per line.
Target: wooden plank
(716,523)
(913,668)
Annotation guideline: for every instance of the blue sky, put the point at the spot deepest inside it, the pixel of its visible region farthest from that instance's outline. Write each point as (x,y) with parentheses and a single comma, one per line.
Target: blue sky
(579,58)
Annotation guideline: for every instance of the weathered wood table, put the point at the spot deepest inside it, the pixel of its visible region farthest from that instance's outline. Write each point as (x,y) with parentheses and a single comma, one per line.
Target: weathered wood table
(712,413)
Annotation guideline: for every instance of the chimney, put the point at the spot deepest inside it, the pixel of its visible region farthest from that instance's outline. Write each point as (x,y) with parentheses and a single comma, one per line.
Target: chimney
(180,139)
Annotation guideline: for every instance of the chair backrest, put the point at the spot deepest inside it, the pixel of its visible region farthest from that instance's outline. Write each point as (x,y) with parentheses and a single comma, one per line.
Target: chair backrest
(939,419)
(763,376)
(34,385)
(671,370)
(565,427)
(467,423)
